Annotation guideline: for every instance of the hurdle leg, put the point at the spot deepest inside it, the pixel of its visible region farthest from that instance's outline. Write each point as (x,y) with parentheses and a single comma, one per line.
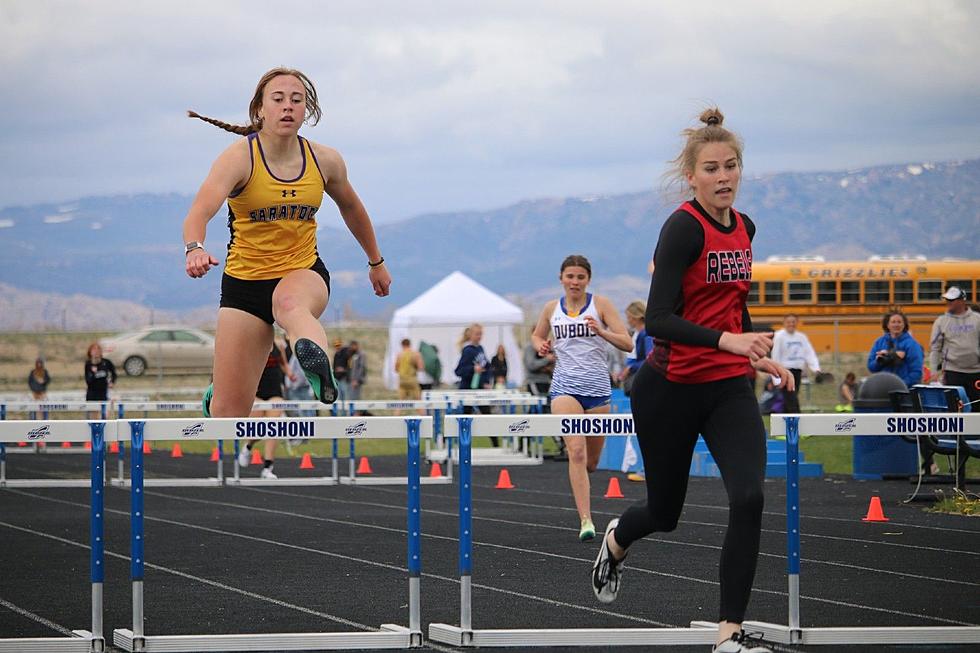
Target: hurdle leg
(466,529)
(97,502)
(134,640)
(793,524)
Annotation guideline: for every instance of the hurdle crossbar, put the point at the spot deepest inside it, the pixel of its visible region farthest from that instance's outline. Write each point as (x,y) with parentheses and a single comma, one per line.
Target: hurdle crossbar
(35,432)
(466,428)
(388,635)
(82,641)
(434,407)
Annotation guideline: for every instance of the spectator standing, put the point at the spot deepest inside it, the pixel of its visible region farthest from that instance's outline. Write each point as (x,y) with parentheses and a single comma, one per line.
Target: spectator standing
(341,359)
(270,388)
(408,362)
(498,368)
(642,343)
(431,373)
(357,370)
(38,380)
(846,393)
(954,345)
(897,351)
(538,370)
(473,368)
(792,350)
(100,374)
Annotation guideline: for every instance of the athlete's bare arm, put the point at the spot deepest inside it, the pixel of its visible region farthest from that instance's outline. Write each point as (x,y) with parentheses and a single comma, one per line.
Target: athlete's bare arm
(615,331)
(539,338)
(356,217)
(229,171)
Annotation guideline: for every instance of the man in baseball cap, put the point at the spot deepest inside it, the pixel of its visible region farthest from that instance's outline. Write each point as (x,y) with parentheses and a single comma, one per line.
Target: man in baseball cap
(955,344)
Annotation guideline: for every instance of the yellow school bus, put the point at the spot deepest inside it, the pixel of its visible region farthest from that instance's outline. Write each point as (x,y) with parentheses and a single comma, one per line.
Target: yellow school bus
(840,304)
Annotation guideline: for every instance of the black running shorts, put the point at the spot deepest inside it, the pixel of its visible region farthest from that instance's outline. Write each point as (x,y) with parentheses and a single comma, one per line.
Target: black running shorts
(255,297)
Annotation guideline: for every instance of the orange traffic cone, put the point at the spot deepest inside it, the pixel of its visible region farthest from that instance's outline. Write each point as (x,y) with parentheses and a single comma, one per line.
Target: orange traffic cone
(214,455)
(503,481)
(146,448)
(113,447)
(613,491)
(435,471)
(875,512)
(364,467)
(66,445)
(176,452)
(88,445)
(256,456)
(307,462)
(21,444)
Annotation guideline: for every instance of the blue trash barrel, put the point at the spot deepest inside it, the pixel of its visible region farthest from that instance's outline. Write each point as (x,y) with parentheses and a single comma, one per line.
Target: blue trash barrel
(887,456)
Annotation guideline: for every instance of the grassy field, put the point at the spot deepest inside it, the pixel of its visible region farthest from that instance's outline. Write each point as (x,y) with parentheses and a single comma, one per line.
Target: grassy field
(64,353)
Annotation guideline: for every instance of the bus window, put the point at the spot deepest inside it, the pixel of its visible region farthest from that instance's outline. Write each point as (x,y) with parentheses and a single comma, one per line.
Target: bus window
(826,292)
(875,292)
(773,292)
(753,297)
(800,291)
(965,285)
(930,291)
(903,292)
(850,292)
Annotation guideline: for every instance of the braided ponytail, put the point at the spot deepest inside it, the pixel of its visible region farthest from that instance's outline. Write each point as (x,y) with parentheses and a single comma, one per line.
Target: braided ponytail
(235,129)
(313,111)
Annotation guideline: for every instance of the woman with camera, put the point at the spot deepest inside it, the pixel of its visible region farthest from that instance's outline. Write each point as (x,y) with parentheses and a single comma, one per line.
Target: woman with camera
(897,351)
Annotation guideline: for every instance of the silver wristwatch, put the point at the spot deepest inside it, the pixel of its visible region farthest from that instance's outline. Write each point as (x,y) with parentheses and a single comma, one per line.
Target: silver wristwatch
(189,247)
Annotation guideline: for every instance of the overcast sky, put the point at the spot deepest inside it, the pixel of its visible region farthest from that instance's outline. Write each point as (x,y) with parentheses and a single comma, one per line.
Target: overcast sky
(442,106)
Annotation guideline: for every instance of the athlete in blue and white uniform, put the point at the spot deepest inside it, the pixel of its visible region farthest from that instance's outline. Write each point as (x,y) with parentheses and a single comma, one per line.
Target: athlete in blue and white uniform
(580,324)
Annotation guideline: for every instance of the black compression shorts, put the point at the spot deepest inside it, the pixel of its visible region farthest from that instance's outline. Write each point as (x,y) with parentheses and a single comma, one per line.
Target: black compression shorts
(255,297)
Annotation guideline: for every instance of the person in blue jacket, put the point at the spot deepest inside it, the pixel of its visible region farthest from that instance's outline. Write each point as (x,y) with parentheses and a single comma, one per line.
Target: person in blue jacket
(897,351)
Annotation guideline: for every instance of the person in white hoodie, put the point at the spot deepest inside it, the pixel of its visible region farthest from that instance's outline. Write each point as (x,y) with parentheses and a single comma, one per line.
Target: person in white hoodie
(792,350)
(955,344)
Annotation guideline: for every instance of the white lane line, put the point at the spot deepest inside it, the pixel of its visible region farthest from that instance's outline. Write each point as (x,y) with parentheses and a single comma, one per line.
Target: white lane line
(47,623)
(686,544)
(254,508)
(556,556)
(768,513)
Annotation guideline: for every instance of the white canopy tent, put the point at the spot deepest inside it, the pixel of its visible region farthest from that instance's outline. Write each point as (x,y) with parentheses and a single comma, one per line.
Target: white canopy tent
(439,315)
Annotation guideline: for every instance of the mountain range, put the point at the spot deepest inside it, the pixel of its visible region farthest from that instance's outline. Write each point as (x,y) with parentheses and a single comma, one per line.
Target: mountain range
(64,260)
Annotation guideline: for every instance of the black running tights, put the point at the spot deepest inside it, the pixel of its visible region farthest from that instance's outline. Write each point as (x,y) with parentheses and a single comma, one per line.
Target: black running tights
(668,417)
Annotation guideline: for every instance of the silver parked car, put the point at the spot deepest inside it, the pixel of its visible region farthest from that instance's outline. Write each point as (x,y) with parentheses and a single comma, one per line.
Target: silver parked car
(166,348)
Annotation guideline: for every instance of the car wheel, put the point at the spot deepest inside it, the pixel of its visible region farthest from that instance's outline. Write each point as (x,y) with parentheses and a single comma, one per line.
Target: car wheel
(134,366)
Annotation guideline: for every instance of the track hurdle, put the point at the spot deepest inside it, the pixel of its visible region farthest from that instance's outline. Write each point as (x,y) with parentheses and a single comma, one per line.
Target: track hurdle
(389,635)
(45,408)
(436,410)
(465,428)
(848,424)
(83,641)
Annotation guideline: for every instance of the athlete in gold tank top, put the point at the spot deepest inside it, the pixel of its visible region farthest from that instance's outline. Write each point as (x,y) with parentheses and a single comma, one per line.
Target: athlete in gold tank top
(274,181)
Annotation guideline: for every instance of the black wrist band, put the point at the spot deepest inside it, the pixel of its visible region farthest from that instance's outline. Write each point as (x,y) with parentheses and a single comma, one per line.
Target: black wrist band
(374,265)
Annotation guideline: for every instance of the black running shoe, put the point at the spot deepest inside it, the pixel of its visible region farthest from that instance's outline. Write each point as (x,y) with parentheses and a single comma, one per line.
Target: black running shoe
(316,366)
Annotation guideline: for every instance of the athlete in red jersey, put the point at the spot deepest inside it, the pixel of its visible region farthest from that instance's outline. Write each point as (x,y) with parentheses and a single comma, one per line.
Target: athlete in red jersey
(695,380)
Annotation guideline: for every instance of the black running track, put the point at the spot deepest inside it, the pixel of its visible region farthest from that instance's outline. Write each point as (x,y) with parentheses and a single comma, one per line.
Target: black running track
(315,559)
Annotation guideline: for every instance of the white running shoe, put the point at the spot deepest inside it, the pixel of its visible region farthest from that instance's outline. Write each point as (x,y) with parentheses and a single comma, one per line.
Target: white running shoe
(606,571)
(244,456)
(741,643)
(267,473)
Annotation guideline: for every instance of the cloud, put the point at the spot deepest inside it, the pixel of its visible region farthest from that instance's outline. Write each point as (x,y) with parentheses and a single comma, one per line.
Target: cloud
(445,105)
